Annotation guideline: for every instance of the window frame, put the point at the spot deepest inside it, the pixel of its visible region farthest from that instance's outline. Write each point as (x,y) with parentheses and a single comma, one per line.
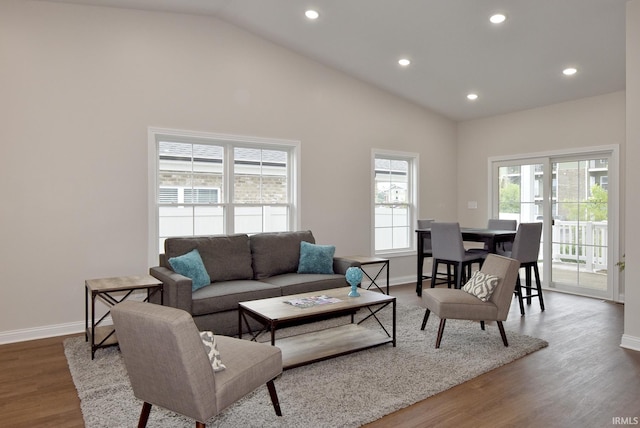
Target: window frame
(413,160)
(229,142)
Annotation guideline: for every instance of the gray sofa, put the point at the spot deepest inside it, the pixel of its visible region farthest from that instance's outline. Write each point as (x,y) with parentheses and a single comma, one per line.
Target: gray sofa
(241,268)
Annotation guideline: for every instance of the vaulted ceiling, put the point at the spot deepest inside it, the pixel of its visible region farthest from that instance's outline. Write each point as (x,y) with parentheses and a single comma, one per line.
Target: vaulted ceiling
(453,48)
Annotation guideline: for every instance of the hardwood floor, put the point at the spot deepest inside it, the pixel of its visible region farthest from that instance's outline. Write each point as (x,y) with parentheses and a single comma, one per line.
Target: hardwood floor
(582,379)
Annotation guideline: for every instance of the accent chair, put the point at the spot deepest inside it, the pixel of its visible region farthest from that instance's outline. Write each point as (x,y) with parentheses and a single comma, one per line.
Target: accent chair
(168,364)
(449,303)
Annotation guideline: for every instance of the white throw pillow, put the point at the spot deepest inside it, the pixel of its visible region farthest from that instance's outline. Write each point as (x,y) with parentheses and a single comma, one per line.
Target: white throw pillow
(481,285)
(209,342)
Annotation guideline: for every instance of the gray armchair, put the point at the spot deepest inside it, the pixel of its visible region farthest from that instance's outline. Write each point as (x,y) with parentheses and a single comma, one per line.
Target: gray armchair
(168,365)
(449,303)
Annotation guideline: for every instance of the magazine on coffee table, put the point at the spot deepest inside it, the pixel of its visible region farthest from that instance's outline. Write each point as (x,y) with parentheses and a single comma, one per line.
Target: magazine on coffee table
(308,302)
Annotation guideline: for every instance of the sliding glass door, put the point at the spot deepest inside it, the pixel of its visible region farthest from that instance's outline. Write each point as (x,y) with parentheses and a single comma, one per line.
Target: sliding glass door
(571,195)
(581,226)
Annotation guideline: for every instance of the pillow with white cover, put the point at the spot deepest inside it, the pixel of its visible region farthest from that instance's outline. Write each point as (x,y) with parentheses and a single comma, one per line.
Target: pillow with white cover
(209,342)
(481,285)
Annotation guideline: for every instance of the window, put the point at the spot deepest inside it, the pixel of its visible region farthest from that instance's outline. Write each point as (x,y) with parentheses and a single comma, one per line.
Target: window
(394,196)
(205,184)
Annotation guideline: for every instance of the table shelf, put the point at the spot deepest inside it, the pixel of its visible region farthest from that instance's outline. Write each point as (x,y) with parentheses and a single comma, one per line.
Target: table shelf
(329,343)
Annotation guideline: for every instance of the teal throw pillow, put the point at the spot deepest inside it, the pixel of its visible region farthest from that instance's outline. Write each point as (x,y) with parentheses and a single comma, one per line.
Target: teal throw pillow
(191,266)
(316,258)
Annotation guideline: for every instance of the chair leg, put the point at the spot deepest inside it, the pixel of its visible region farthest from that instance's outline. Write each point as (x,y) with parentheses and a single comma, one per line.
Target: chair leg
(440,330)
(482,325)
(144,415)
(274,397)
(426,317)
(538,286)
(459,275)
(434,273)
(503,334)
(527,271)
(518,291)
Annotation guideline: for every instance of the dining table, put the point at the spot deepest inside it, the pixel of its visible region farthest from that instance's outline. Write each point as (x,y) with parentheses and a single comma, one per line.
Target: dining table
(489,237)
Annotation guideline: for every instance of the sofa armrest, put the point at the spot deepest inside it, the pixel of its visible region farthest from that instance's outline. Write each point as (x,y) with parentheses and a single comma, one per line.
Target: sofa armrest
(177,288)
(340,265)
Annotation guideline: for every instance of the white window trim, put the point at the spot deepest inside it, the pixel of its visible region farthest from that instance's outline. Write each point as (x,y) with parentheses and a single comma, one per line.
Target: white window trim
(152,135)
(413,191)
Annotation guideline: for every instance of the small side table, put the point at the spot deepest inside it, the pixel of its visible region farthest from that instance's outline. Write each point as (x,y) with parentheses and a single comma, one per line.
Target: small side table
(102,336)
(365,261)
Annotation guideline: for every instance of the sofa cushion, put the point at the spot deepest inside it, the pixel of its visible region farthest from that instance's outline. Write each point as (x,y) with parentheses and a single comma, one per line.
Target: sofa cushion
(225,296)
(294,283)
(191,266)
(316,258)
(276,253)
(226,257)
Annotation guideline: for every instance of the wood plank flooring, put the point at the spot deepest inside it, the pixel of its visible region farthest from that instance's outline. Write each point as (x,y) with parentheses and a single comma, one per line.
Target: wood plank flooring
(582,379)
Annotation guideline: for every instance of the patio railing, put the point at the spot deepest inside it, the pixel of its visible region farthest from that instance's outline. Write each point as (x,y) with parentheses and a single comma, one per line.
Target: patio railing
(583,242)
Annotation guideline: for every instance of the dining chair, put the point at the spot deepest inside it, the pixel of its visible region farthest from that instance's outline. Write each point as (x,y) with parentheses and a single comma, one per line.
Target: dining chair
(526,249)
(427,252)
(502,224)
(476,304)
(448,249)
(168,363)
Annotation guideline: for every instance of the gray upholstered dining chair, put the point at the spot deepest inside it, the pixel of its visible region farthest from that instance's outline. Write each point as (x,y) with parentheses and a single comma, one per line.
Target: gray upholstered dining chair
(427,251)
(449,303)
(502,224)
(448,249)
(526,249)
(168,365)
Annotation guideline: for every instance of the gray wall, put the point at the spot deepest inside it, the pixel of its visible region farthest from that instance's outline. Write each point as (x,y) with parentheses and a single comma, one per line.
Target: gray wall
(631,337)
(81,85)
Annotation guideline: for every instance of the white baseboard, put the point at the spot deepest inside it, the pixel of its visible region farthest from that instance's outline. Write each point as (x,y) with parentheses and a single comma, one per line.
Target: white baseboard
(41,332)
(78,327)
(630,342)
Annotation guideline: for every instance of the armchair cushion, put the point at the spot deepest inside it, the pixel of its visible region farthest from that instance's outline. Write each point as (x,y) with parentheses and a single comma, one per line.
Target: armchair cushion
(209,342)
(481,285)
(191,266)
(316,258)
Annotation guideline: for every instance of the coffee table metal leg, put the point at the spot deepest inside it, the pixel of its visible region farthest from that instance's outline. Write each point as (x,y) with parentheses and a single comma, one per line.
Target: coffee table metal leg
(394,323)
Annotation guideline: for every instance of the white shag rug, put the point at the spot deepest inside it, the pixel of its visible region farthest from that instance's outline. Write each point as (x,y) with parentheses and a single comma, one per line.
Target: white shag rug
(347,391)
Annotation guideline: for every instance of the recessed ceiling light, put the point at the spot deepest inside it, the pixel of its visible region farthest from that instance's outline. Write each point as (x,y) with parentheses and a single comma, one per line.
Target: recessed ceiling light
(312,14)
(570,71)
(404,62)
(497,18)
(472,97)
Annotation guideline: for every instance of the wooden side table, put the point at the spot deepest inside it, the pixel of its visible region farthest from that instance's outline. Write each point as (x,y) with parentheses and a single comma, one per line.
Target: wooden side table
(365,261)
(102,289)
